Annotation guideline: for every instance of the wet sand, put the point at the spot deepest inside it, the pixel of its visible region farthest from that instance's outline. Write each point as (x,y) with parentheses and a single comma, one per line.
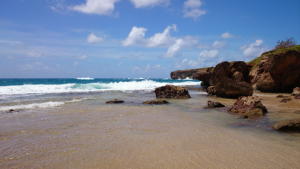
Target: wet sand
(91,134)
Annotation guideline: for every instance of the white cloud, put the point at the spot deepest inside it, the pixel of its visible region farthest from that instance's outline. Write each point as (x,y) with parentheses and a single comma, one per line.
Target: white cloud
(227,35)
(76,63)
(146,3)
(94,39)
(173,50)
(219,45)
(136,68)
(185,64)
(136,36)
(35,54)
(243,47)
(81,57)
(31,65)
(120,64)
(192,9)
(99,7)
(207,54)
(255,49)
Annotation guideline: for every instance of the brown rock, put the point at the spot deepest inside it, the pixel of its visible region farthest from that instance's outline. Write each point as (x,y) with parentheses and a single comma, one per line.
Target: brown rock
(211,90)
(171,91)
(156,102)
(242,69)
(230,88)
(248,107)
(296,91)
(238,77)
(277,72)
(288,125)
(211,104)
(285,100)
(116,101)
(297,96)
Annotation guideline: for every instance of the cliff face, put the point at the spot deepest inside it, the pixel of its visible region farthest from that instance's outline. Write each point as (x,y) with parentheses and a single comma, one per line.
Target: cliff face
(277,72)
(183,74)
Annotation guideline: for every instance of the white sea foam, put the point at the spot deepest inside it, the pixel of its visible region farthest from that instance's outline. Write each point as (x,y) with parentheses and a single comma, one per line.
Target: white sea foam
(38,105)
(31,106)
(90,87)
(85,78)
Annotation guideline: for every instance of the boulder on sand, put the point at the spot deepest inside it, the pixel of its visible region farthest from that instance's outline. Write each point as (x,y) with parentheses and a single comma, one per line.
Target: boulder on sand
(171,91)
(296,91)
(248,107)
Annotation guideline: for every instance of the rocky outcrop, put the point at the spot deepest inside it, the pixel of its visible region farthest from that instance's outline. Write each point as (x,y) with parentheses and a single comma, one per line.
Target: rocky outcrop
(277,72)
(171,91)
(297,96)
(211,104)
(183,74)
(227,79)
(288,125)
(156,102)
(248,107)
(116,101)
(296,91)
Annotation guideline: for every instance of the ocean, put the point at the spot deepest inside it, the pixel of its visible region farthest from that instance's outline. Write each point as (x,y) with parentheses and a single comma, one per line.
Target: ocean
(65,123)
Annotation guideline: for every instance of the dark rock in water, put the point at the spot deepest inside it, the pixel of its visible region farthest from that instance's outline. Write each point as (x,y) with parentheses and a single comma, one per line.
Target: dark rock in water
(296,91)
(116,101)
(156,102)
(279,96)
(10,111)
(297,96)
(248,107)
(285,100)
(288,125)
(171,91)
(211,104)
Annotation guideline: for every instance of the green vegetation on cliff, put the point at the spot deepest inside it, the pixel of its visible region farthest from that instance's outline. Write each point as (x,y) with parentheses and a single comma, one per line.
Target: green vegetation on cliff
(272,52)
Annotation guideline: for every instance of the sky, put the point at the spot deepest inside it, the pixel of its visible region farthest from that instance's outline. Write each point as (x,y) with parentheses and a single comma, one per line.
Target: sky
(137,38)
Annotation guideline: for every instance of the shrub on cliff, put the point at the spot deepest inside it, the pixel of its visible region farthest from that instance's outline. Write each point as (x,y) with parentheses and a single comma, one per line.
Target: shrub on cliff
(288,43)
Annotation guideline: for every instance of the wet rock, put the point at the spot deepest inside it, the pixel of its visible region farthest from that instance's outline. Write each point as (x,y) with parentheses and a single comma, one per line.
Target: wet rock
(279,96)
(297,96)
(211,90)
(211,104)
(288,125)
(116,101)
(10,111)
(156,102)
(296,91)
(248,107)
(171,91)
(285,100)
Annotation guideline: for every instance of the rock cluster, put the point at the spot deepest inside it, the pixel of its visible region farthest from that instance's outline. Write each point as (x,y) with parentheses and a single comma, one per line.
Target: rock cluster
(227,79)
(171,91)
(248,107)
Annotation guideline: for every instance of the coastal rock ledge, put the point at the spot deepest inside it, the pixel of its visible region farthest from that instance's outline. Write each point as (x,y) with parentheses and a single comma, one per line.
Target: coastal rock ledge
(171,91)
(288,125)
(248,107)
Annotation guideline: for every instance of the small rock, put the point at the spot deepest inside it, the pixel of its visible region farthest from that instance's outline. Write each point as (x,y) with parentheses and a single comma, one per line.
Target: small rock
(10,111)
(248,107)
(156,102)
(285,100)
(116,101)
(296,91)
(211,104)
(288,125)
(297,96)
(279,96)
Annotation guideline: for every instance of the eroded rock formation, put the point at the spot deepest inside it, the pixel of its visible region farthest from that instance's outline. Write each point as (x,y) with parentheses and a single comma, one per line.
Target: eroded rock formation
(171,91)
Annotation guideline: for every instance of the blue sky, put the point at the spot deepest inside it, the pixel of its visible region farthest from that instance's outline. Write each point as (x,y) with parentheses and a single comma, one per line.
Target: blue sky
(136,38)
